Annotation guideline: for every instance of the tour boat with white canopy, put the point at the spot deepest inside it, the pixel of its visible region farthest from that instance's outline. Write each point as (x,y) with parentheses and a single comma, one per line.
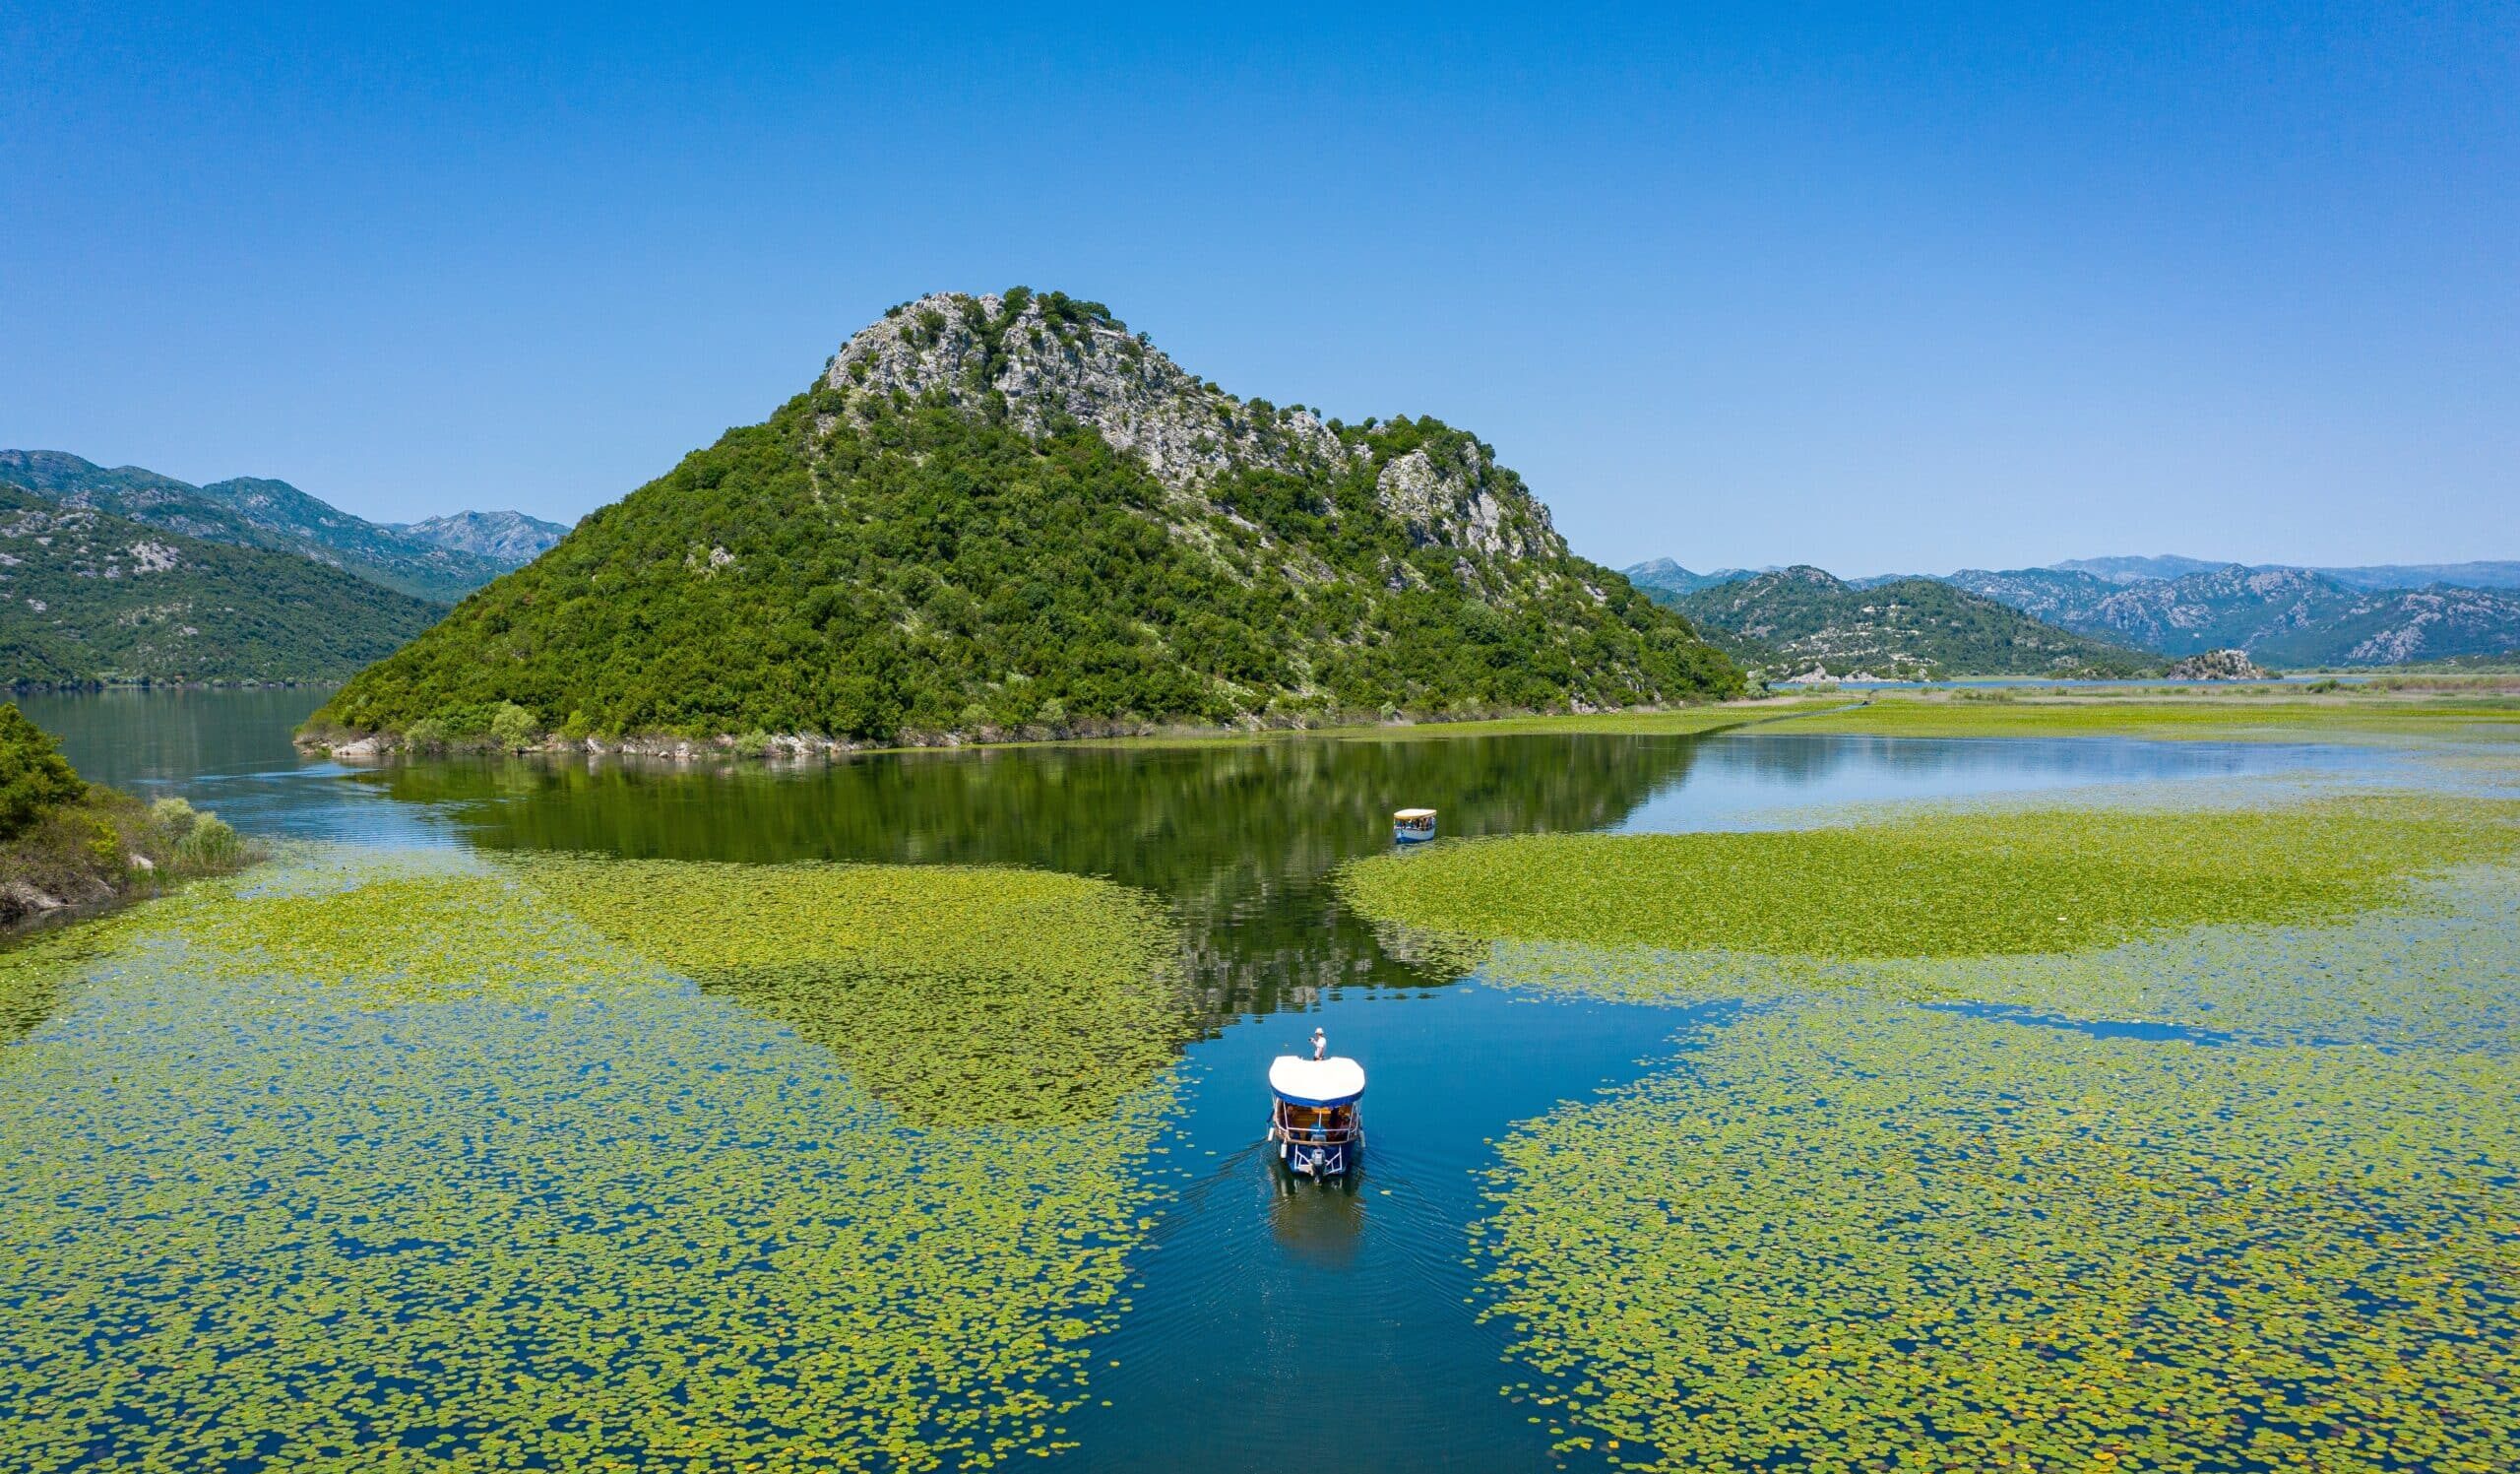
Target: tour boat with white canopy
(1314,1121)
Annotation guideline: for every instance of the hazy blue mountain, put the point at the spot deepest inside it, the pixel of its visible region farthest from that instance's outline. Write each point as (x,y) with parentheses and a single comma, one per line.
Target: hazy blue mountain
(2127,570)
(2067,598)
(2287,617)
(2484,575)
(509,539)
(2166,566)
(1662,576)
(253,512)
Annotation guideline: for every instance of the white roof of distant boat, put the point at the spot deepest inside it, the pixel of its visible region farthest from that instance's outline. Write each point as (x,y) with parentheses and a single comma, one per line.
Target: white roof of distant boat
(1317,1082)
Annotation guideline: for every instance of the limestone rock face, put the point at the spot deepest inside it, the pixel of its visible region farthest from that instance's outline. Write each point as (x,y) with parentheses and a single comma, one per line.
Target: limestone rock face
(1048,366)
(1459,507)
(1074,366)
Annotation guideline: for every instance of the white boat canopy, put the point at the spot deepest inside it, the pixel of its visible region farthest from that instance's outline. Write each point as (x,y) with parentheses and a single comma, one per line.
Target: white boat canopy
(1316,1082)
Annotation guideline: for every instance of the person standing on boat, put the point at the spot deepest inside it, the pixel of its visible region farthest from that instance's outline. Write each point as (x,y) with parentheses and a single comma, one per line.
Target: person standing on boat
(1320,1045)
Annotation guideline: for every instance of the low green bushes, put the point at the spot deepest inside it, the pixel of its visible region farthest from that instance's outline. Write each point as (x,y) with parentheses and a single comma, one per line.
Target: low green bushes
(68,843)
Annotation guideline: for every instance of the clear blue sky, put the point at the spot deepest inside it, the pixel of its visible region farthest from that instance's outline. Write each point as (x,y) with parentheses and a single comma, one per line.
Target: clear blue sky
(1881,287)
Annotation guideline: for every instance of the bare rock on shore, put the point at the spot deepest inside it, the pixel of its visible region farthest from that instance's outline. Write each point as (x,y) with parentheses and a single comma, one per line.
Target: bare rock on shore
(2217,664)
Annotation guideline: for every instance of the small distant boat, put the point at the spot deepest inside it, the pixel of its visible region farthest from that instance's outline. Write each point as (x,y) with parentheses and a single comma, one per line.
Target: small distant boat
(1313,1122)
(1413,827)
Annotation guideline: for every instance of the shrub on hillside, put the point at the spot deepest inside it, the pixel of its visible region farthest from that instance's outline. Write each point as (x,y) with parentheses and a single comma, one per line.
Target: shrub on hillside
(34,778)
(71,843)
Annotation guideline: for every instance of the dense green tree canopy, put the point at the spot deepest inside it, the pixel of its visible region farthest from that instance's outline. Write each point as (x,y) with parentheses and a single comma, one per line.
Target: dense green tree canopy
(87,598)
(1797,618)
(34,778)
(908,567)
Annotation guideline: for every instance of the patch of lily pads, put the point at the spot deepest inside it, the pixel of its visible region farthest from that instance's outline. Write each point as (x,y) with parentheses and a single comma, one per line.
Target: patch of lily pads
(2154,1138)
(1855,1235)
(1933,884)
(959,994)
(394,1164)
(37,972)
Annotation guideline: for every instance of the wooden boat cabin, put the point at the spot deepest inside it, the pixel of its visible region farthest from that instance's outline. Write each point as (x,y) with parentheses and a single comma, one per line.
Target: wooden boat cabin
(1313,1122)
(1413,827)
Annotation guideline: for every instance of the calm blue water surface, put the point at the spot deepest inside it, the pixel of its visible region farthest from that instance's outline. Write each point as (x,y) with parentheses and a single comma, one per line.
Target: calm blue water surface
(1275,1321)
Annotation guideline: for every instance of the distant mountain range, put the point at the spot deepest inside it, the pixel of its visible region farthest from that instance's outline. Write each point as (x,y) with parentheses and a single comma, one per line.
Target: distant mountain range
(510,540)
(440,560)
(1801,621)
(1662,576)
(2283,617)
(2168,566)
(2171,606)
(89,598)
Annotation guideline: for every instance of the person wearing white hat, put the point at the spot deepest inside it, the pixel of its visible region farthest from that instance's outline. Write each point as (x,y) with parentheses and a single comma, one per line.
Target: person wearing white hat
(1320,1045)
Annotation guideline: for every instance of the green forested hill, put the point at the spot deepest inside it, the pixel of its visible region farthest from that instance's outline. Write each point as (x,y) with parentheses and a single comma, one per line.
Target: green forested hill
(88,598)
(1795,621)
(998,516)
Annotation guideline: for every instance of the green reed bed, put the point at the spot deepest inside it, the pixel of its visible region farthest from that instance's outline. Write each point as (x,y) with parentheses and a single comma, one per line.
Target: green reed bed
(382,1165)
(1845,1236)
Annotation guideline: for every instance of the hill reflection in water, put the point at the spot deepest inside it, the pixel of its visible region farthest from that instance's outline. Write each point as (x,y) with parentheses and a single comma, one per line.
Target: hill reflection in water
(1239,838)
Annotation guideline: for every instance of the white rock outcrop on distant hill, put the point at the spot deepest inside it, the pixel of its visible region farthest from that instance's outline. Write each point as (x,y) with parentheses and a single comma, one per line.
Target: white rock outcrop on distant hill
(2217,664)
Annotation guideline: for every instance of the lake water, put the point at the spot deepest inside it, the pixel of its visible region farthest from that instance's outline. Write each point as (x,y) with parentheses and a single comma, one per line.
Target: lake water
(1257,1320)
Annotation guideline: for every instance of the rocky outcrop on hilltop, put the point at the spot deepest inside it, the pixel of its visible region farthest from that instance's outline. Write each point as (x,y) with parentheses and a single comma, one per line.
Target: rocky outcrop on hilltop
(1045,361)
(2217,664)
(1008,516)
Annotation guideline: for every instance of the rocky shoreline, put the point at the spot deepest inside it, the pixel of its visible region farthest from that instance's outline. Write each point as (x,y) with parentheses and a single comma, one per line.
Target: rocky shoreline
(803,746)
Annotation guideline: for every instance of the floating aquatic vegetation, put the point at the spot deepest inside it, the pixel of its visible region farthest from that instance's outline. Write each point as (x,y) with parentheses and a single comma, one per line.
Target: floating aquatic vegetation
(36,973)
(1856,1236)
(959,994)
(508,1226)
(2436,972)
(2440,972)
(1937,884)
(394,937)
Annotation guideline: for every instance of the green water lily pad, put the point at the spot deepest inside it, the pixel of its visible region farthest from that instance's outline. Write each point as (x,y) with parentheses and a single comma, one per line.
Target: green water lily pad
(1933,884)
(960,993)
(1853,1236)
(382,1166)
